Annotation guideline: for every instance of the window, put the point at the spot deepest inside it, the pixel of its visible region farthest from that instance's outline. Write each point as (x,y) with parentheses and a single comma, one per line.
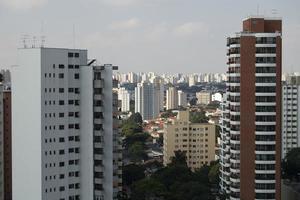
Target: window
(61,66)
(71,90)
(76,76)
(61,114)
(61,139)
(61,90)
(61,127)
(61,152)
(62,188)
(60,75)
(70,66)
(70,55)
(76,55)
(61,102)
(61,164)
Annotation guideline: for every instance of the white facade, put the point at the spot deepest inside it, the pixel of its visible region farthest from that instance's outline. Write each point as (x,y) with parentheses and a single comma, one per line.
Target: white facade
(171,98)
(55,118)
(290,117)
(217,97)
(124,97)
(182,98)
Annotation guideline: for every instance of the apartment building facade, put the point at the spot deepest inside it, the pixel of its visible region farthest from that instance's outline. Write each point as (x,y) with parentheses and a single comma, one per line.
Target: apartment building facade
(197,140)
(290,114)
(252,128)
(65,137)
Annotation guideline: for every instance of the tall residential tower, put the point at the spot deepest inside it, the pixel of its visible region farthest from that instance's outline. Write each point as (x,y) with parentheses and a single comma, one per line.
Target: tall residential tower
(253,131)
(65,143)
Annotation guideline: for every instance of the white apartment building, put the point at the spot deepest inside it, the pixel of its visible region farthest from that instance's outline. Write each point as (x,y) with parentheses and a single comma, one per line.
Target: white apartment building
(290,114)
(171,98)
(124,97)
(144,100)
(182,98)
(65,143)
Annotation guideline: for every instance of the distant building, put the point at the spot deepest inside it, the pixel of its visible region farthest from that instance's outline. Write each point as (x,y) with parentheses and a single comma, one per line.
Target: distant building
(124,97)
(195,139)
(290,114)
(182,99)
(203,97)
(158,95)
(144,100)
(171,98)
(216,97)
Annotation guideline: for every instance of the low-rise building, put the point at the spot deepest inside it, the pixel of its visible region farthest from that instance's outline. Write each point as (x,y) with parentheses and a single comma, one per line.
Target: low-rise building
(197,140)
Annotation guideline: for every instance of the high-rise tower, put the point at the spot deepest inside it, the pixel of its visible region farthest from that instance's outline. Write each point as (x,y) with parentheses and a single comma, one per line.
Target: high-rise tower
(253,128)
(65,143)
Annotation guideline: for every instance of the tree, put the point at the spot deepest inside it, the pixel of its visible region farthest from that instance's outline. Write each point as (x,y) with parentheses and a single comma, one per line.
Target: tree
(198,117)
(168,114)
(148,189)
(179,158)
(213,174)
(136,118)
(129,128)
(132,173)
(291,164)
(135,137)
(137,151)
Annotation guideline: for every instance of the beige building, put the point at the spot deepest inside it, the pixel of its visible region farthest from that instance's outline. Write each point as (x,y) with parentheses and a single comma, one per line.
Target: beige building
(204,97)
(197,140)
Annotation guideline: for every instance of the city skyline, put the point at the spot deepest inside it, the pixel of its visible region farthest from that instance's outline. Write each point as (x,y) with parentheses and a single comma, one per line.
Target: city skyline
(160,36)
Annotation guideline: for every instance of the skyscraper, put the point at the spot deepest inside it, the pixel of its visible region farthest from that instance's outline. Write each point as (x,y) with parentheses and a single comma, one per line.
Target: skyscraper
(171,98)
(65,142)
(254,116)
(182,98)
(290,114)
(124,97)
(144,100)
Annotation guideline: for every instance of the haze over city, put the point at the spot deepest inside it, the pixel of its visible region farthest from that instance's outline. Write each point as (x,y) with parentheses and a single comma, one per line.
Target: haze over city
(144,35)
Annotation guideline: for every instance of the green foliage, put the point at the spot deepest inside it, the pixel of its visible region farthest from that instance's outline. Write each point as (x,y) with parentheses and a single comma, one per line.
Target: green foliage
(213,174)
(137,151)
(148,188)
(130,128)
(198,117)
(213,105)
(135,137)
(136,118)
(291,164)
(168,114)
(132,173)
(177,182)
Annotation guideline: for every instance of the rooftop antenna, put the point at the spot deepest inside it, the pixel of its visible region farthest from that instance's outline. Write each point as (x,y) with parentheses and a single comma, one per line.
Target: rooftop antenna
(274,12)
(42,37)
(33,41)
(74,36)
(25,40)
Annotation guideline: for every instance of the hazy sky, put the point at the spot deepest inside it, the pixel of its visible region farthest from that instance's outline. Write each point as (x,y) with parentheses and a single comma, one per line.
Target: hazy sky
(144,35)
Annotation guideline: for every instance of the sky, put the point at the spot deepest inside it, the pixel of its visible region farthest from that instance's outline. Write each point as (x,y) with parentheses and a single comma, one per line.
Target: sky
(163,36)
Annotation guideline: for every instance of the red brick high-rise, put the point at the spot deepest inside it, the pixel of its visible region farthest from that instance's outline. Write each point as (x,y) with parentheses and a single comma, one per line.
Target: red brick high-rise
(251,129)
